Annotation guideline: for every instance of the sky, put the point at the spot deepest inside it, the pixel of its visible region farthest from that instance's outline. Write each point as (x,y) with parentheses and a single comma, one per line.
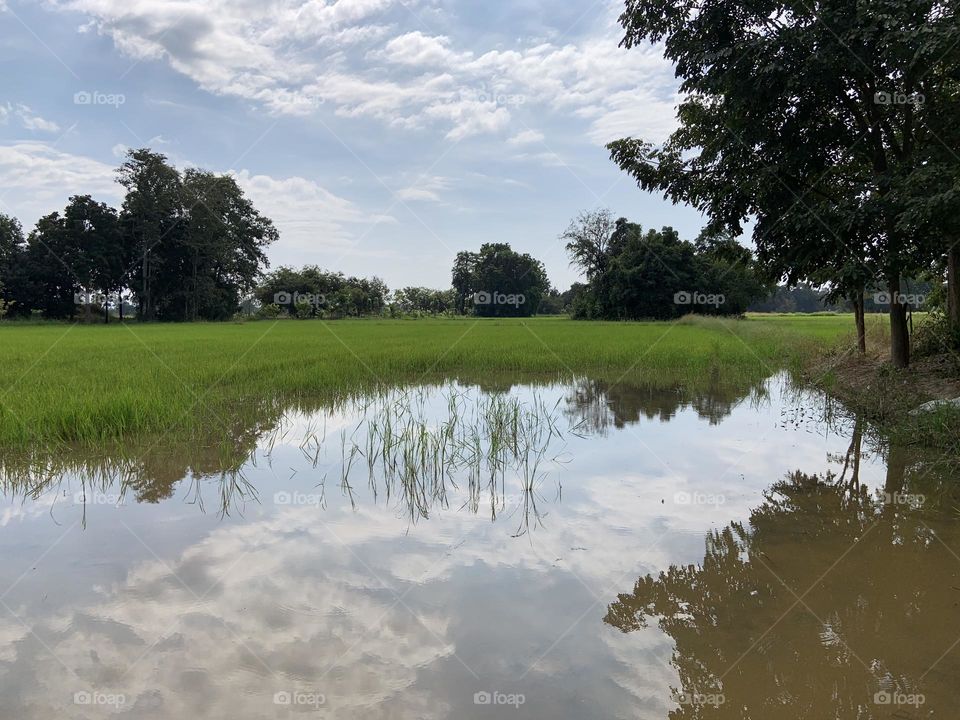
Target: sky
(381,136)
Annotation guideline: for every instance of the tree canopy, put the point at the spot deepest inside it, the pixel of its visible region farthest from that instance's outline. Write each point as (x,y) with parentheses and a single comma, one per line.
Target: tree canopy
(822,122)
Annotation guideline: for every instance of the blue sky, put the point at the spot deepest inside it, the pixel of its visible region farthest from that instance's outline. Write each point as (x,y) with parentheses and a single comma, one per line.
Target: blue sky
(382,136)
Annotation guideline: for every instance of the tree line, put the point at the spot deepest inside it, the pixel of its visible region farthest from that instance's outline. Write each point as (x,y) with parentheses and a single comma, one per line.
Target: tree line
(183,246)
(632,274)
(830,125)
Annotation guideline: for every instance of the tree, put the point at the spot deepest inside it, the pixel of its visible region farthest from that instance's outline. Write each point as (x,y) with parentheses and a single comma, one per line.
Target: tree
(12,247)
(588,241)
(225,238)
(635,274)
(815,119)
(151,221)
(92,248)
(502,282)
(463,267)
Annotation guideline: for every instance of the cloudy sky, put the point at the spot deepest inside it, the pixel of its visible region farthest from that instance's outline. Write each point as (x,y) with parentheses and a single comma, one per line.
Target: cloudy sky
(382,136)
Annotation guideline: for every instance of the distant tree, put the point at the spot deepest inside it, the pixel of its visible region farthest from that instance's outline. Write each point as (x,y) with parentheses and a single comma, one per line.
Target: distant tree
(463,269)
(505,283)
(657,275)
(588,241)
(313,292)
(50,283)
(12,247)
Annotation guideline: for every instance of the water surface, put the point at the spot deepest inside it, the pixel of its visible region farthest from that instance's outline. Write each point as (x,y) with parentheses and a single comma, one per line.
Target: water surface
(560,550)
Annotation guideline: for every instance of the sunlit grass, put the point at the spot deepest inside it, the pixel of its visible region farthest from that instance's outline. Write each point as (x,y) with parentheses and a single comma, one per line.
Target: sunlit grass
(94,384)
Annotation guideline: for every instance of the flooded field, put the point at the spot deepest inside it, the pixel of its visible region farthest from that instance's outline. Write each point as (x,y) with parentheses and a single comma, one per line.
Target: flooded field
(543,550)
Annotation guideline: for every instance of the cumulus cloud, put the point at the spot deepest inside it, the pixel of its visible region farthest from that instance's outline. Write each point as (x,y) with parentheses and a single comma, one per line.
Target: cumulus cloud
(36,178)
(309,217)
(295,56)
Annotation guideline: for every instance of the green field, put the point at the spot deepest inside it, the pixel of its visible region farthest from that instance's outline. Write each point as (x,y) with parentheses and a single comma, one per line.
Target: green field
(93,384)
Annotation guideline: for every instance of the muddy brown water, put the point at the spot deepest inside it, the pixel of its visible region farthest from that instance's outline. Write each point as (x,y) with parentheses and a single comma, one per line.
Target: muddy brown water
(571,550)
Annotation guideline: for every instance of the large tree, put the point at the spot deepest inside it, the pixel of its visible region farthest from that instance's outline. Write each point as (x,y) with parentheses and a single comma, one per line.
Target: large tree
(152,221)
(502,282)
(817,120)
(11,252)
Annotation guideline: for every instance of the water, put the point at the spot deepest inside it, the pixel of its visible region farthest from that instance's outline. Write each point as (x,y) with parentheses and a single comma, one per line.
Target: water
(535,551)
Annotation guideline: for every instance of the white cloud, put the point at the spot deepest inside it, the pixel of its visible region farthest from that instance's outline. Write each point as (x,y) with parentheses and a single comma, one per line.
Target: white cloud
(425,189)
(310,218)
(27,117)
(32,121)
(526,137)
(36,179)
(298,56)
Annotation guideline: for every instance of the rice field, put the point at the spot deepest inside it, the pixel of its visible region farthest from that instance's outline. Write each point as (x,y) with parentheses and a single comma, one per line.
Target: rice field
(94,384)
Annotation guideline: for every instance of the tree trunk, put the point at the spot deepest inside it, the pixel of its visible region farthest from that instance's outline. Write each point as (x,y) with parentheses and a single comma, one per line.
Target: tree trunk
(145,299)
(953,286)
(899,332)
(860,315)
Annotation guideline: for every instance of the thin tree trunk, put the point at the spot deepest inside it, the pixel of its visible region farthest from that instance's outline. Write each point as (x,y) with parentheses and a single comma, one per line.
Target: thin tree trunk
(860,315)
(953,286)
(145,300)
(899,332)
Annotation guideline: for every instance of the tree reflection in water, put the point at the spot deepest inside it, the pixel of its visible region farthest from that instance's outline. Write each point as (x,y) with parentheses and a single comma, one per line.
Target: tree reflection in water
(829,602)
